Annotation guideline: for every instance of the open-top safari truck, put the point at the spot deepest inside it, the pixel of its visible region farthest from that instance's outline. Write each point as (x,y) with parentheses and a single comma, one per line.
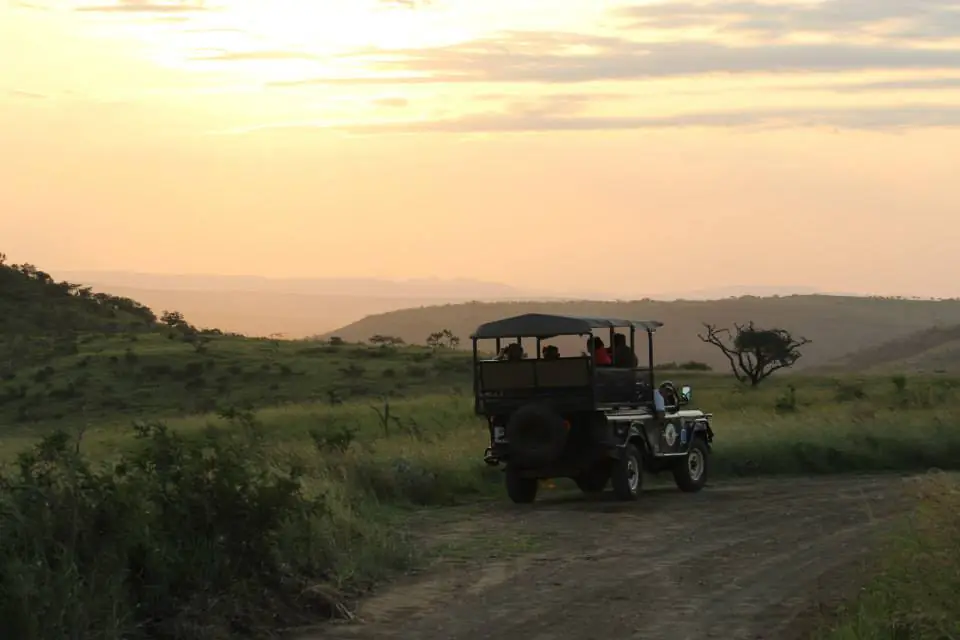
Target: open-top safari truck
(593,417)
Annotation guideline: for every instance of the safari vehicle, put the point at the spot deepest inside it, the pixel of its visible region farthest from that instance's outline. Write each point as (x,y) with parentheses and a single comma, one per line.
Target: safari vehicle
(567,417)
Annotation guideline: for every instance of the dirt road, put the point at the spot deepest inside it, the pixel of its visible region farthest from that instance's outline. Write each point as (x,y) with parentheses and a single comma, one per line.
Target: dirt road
(744,560)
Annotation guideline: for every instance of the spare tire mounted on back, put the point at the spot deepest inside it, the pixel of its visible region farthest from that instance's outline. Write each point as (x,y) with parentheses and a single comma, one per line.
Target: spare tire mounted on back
(536,434)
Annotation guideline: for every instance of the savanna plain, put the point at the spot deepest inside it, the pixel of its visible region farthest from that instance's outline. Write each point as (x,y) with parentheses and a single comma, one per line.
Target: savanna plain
(163,481)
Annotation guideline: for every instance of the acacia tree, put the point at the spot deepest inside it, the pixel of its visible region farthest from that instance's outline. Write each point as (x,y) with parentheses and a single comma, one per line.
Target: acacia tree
(443,339)
(754,354)
(385,341)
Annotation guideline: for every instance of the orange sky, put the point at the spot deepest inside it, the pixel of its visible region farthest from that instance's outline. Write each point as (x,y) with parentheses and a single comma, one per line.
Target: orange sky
(565,143)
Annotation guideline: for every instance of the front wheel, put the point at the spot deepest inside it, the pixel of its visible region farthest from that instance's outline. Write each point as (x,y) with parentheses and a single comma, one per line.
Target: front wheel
(690,473)
(521,490)
(627,477)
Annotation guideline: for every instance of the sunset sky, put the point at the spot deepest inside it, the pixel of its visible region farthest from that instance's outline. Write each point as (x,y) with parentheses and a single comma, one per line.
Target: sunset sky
(555,144)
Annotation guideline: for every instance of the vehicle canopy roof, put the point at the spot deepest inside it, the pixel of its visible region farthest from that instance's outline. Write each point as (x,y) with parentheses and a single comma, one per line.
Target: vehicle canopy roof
(543,325)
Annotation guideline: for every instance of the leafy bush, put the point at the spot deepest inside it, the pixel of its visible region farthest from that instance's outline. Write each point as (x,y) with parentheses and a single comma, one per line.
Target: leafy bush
(182,537)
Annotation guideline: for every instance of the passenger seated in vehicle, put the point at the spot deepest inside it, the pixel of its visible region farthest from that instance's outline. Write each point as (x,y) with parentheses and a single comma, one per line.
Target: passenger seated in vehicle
(600,355)
(514,352)
(671,400)
(623,355)
(551,352)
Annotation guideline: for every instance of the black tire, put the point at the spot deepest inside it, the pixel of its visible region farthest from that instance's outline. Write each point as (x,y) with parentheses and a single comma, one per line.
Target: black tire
(627,475)
(690,472)
(536,435)
(594,479)
(521,490)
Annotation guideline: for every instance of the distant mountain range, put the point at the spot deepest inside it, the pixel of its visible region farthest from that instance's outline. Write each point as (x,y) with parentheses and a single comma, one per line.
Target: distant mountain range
(453,289)
(360,287)
(299,307)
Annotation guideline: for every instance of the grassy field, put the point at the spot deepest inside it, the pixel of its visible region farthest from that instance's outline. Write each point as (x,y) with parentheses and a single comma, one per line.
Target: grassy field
(157,481)
(160,374)
(328,487)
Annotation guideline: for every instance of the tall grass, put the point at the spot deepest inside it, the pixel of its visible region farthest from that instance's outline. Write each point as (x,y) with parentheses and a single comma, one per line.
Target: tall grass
(232,523)
(914,592)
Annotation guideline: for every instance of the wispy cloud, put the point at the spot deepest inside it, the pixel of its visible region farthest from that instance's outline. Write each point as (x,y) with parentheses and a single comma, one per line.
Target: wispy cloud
(391,101)
(406,4)
(912,84)
(146,6)
(28,95)
(873,119)
(546,58)
(247,56)
(882,118)
(21,4)
(897,18)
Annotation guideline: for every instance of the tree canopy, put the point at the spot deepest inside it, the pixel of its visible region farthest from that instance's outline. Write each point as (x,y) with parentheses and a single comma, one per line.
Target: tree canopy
(754,353)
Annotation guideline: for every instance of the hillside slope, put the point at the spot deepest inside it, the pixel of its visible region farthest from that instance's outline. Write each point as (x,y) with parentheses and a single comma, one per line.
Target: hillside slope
(41,318)
(70,355)
(838,325)
(33,303)
(932,350)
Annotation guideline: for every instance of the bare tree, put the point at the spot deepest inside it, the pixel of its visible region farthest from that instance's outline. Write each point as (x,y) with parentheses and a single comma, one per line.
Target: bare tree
(754,354)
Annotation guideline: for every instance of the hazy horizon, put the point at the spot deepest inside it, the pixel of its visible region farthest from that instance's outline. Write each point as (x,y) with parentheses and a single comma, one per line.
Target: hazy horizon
(627,148)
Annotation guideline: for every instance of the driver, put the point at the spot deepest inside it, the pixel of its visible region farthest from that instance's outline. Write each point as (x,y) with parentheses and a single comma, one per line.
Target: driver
(623,355)
(669,393)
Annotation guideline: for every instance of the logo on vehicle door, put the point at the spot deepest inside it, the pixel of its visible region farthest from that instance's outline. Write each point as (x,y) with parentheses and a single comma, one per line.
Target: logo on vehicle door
(670,434)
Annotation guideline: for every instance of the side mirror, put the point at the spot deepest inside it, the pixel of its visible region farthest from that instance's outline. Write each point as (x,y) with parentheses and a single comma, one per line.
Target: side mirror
(685,394)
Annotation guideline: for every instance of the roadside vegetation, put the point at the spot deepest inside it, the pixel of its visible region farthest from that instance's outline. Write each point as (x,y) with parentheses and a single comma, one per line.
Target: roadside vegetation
(163,481)
(914,582)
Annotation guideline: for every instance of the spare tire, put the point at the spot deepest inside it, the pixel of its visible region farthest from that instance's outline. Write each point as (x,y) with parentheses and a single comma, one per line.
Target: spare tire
(536,434)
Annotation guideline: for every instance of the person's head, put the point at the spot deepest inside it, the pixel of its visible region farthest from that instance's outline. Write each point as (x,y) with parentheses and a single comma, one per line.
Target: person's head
(514,351)
(551,352)
(619,340)
(597,342)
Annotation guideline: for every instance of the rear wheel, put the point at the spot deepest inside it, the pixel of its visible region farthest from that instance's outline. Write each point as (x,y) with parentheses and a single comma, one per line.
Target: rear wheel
(690,473)
(537,435)
(521,490)
(627,476)
(594,479)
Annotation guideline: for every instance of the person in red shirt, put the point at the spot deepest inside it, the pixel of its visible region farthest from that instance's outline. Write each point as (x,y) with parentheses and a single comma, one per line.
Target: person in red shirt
(600,355)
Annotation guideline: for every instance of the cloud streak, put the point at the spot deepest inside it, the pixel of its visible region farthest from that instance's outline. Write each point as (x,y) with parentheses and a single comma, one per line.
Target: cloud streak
(516,58)
(145,6)
(914,84)
(864,119)
(252,56)
(895,18)
(391,102)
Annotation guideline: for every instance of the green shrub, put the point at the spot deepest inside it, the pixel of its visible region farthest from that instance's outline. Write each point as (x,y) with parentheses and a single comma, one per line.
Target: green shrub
(183,537)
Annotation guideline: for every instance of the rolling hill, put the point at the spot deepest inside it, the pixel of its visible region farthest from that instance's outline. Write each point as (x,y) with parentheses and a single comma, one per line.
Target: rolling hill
(33,303)
(931,350)
(837,325)
(69,355)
